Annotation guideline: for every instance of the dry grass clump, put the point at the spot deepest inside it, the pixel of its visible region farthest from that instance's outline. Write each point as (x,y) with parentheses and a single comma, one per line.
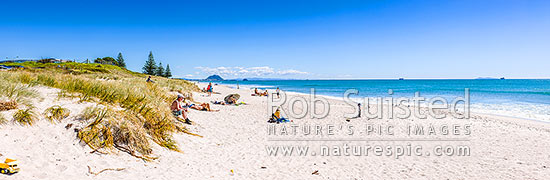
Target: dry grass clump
(123,133)
(56,113)
(8,105)
(131,137)
(25,117)
(3,120)
(97,134)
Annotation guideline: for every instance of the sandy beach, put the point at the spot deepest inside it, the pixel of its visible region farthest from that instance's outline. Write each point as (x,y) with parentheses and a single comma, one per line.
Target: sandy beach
(235,139)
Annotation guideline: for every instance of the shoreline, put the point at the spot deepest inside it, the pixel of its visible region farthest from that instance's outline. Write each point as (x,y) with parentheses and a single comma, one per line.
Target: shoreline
(231,86)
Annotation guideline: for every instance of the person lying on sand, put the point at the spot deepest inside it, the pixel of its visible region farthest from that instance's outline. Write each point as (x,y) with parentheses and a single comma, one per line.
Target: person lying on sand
(256,92)
(218,102)
(277,118)
(178,110)
(224,103)
(202,107)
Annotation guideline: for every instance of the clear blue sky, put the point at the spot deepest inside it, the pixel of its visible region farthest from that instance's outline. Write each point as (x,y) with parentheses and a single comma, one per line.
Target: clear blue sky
(291,39)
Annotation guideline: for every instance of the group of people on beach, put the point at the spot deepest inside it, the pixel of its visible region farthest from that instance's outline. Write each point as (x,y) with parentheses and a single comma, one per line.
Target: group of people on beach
(258,93)
(265,93)
(181,105)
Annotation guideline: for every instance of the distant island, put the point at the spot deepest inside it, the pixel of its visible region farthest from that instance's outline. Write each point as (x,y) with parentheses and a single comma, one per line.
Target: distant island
(214,78)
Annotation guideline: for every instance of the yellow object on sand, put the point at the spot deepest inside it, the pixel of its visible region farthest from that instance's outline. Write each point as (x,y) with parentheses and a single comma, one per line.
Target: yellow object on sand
(9,166)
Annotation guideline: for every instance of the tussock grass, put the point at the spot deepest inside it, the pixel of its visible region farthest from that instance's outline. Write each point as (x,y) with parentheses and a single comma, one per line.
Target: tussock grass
(97,134)
(146,105)
(90,112)
(45,80)
(16,92)
(25,117)
(57,113)
(3,120)
(123,132)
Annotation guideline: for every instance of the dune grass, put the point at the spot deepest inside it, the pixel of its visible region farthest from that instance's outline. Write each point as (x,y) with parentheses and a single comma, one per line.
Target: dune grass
(25,117)
(110,129)
(3,119)
(97,134)
(16,92)
(145,105)
(56,113)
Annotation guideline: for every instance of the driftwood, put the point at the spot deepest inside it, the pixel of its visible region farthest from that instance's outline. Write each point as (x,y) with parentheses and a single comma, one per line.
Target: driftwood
(108,169)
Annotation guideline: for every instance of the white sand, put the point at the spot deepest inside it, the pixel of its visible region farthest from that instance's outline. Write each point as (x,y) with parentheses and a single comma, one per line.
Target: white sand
(236,138)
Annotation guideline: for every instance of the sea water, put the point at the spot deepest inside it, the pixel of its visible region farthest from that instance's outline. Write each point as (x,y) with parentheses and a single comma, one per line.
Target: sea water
(524,98)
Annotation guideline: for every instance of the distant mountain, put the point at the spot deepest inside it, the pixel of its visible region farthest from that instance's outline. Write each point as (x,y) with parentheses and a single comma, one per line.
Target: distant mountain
(214,78)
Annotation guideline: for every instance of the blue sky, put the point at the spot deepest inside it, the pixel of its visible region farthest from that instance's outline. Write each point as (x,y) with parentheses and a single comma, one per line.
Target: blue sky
(291,39)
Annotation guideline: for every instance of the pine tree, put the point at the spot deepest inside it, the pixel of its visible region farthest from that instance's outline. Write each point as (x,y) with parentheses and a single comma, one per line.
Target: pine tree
(150,66)
(168,73)
(160,70)
(120,61)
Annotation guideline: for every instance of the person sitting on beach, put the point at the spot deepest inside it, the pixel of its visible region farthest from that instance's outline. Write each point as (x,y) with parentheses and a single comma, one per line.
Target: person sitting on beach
(358,114)
(277,118)
(149,80)
(265,93)
(178,110)
(359,107)
(256,92)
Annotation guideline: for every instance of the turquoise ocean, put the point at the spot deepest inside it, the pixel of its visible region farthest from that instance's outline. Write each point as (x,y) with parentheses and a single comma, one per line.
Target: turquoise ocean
(524,98)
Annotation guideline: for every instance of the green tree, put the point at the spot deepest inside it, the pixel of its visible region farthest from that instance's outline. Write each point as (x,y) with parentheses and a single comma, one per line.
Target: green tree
(150,66)
(109,60)
(160,70)
(167,72)
(106,60)
(98,60)
(120,61)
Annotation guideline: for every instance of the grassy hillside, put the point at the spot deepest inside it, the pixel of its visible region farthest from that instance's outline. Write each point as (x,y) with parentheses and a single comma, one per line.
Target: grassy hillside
(132,112)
